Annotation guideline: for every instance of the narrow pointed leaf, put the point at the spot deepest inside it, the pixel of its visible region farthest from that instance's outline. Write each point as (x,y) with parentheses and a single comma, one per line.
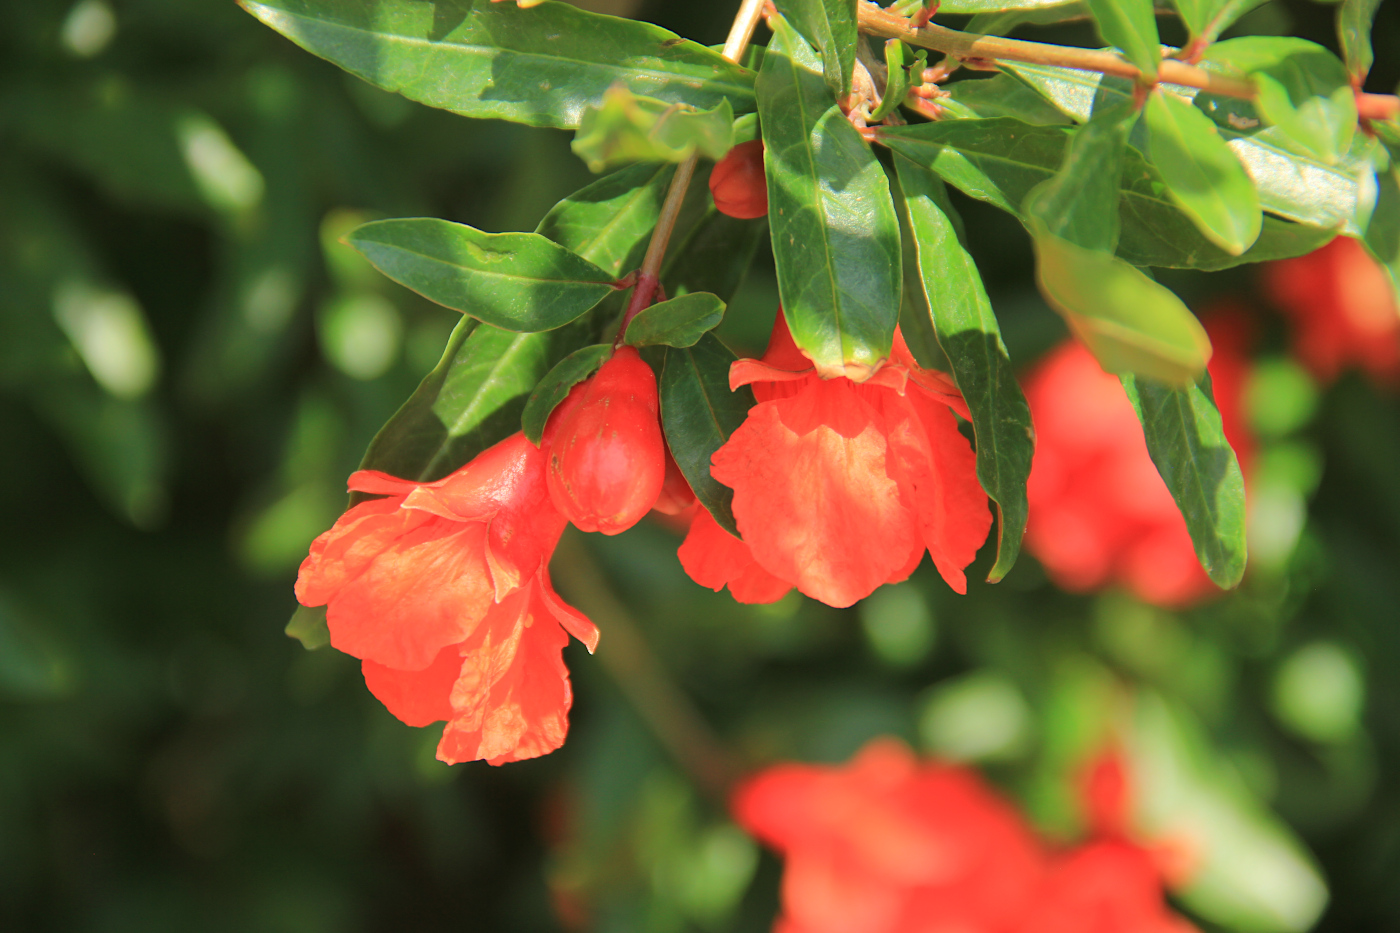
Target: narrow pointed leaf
(1201,173)
(1207,19)
(968,333)
(1004,96)
(896,81)
(1129,322)
(555,386)
(610,221)
(516,281)
(1131,27)
(1079,203)
(627,128)
(679,322)
(1382,237)
(830,26)
(1354,19)
(541,66)
(698,413)
(1184,436)
(834,229)
(472,399)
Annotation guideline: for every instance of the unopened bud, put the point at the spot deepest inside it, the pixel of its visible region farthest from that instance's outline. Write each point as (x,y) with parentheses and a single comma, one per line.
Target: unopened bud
(738,184)
(607,461)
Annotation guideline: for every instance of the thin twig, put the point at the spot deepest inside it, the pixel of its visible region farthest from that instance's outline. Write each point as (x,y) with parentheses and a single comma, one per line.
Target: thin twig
(665,708)
(649,277)
(879,22)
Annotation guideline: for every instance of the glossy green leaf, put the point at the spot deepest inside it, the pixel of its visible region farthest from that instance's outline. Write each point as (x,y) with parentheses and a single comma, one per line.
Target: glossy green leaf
(1131,27)
(1202,175)
(678,322)
(1079,204)
(1304,90)
(1187,443)
(610,221)
(714,256)
(1130,323)
(1001,22)
(1004,96)
(897,81)
(1382,237)
(830,26)
(968,333)
(1354,19)
(1207,19)
(308,626)
(555,386)
(698,413)
(834,229)
(627,128)
(1300,187)
(541,66)
(516,281)
(472,399)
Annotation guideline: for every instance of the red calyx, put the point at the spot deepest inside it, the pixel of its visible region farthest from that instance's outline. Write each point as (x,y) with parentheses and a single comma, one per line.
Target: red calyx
(607,460)
(738,184)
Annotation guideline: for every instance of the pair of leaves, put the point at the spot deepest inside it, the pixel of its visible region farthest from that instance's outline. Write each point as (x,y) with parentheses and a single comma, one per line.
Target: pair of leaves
(627,128)
(542,66)
(834,230)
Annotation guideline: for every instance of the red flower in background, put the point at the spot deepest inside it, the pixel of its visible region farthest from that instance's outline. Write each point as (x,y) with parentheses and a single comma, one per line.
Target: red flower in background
(839,486)
(1099,510)
(442,590)
(737,182)
(1342,311)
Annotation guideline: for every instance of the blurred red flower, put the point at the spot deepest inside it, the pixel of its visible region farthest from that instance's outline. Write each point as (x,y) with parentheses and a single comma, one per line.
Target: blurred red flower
(1099,510)
(738,184)
(1342,311)
(839,486)
(442,590)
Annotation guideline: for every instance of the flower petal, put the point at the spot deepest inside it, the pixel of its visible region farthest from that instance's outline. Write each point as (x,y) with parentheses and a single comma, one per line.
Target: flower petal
(344,552)
(418,698)
(716,559)
(575,622)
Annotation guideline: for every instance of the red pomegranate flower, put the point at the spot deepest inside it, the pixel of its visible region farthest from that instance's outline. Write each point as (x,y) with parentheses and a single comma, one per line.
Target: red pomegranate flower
(839,486)
(1099,511)
(607,461)
(737,182)
(888,844)
(442,590)
(1342,310)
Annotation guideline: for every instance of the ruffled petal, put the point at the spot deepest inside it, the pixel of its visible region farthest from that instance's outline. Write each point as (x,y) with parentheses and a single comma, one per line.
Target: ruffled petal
(938,470)
(380,484)
(716,559)
(512,697)
(425,589)
(575,623)
(816,506)
(344,552)
(417,698)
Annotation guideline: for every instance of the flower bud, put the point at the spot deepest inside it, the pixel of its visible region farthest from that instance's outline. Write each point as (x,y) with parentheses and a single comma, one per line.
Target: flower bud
(676,494)
(607,461)
(738,184)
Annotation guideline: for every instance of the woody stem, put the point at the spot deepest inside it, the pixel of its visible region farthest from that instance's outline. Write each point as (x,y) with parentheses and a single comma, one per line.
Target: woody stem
(640,675)
(649,278)
(969,45)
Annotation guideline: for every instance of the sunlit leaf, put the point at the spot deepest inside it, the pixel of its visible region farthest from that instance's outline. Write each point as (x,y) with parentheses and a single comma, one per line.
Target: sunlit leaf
(1131,27)
(1354,19)
(610,221)
(1382,237)
(627,128)
(830,25)
(679,322)
(1079,203)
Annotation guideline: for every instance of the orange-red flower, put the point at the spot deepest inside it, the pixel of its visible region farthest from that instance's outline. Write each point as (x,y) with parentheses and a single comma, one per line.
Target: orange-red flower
(607,461)
(737,182)
(1342,310)
(442,590)
(1099,510)
(840,486)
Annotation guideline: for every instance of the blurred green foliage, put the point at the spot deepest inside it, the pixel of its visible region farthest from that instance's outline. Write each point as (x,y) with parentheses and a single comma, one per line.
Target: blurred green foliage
(190,365)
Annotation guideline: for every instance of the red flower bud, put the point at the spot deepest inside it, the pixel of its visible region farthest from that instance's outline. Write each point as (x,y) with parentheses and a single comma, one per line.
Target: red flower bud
(676,494)
(607,460)
(737,182)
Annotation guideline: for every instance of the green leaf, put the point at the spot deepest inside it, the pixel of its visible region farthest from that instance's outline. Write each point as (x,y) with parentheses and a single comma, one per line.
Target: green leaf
(1131,27)
(714,256)
(830,26)
(835,232)
(610,221)
(1354,19)
(698,413)
(541,66)
(983,7)
(1304,89)
(1201,173)
(555,386)
(1079,203)
(1129,322)
(627,128)
(472,399)
(897,81)
(1294,185)
(1184,436)
(516,281)
(308,626)
(679,322)
(1004,96)
(1382,237)
(968,333)
(1207,19)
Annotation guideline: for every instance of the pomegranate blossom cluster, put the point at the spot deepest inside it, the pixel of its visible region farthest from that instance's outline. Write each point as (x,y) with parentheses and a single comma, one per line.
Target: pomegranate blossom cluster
(442,588)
